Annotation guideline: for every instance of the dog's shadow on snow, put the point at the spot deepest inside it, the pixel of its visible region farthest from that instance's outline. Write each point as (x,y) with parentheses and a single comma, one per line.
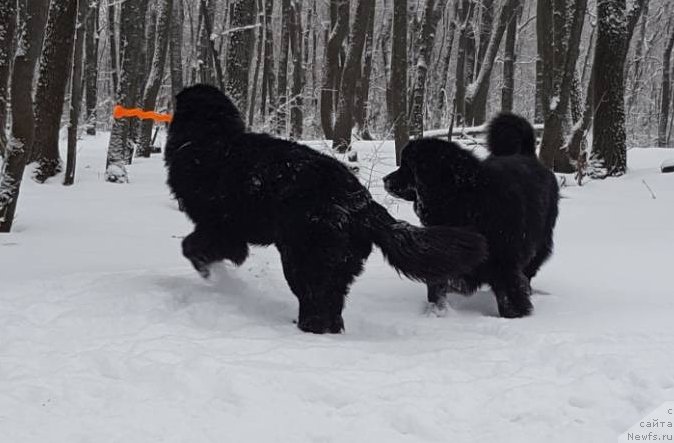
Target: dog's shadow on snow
(224,291)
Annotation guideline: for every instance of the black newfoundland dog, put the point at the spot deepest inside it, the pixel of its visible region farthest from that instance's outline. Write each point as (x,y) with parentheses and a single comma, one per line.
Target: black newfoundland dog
(241,188)
(510,197)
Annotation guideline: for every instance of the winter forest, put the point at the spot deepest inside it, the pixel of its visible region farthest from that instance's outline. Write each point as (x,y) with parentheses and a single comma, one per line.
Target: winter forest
(339,70)
(107,334)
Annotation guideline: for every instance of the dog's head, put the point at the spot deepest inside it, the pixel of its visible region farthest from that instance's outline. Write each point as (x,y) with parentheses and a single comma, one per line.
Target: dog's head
(432,167)
(206,108)
(203,116)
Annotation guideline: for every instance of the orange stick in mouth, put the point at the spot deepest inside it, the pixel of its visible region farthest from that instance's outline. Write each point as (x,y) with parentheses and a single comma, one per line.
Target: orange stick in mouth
(122,112)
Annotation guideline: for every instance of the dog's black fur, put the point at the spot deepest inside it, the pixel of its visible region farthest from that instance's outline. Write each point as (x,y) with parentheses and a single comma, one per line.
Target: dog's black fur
(510,197)
(242,188)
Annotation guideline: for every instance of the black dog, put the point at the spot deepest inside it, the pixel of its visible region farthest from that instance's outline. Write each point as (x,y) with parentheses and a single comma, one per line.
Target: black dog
(242,188)
(510,197)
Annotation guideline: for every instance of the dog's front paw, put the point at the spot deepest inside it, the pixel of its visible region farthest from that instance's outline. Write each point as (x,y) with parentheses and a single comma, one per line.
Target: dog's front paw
(321,325)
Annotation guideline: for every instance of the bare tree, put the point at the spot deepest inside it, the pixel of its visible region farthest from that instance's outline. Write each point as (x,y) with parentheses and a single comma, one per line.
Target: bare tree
(91,65)
(267,101)
(444,73)
(666,87)
(131,39)
(432,13)
(478,91)
(296,100)
(398,84)
(7,25)
(463,68)
(209,55)
(259,61)
(282,73)
(485,30)
(75,92)
(615,28)
(112,44)
(361,105)
(351,73)
(175,47)
(509,56)
(55,66)
(331,69)
(151,90)
(638,59)
(206,54)
(558,48)
(240,52)
(22,133)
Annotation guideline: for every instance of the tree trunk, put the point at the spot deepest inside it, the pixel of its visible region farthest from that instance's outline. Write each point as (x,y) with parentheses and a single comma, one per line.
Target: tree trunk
(139,76)
(114,53)
(559,52)
(666,88)
(432,14)
(331,68)
(30,25)
(361,106)
(205,57)
(151,90)
(444,96)
(7,25)
(485,32)
(298,71)
(581,127)
(210,55)
(268,69)
(240,52)
(259,46)
(508,90)
(398,83)
(352,70)
(384,48)
(175,48)
(464,14)
(638,55)
(615,28)
(150,37)
(55,66)
(538,99)
(479,90)
(131,39)
(282,75)
(75,92)
(91,66)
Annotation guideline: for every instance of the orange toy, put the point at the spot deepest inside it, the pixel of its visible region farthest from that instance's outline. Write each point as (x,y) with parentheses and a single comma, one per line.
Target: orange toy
(122,112)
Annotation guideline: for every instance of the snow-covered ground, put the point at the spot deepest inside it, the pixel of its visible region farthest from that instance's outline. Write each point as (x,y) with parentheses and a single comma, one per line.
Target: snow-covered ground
(108,335)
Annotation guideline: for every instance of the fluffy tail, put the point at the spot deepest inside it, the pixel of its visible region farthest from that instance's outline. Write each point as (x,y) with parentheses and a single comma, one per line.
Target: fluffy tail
(511,134)
(425,254)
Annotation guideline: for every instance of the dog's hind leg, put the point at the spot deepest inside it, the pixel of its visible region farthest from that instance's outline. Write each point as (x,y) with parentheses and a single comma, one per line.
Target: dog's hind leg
(206,246)
(512,292)
(319,274)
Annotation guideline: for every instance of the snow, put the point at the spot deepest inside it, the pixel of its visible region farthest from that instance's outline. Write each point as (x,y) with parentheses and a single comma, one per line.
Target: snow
(107,334)
(554,102)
